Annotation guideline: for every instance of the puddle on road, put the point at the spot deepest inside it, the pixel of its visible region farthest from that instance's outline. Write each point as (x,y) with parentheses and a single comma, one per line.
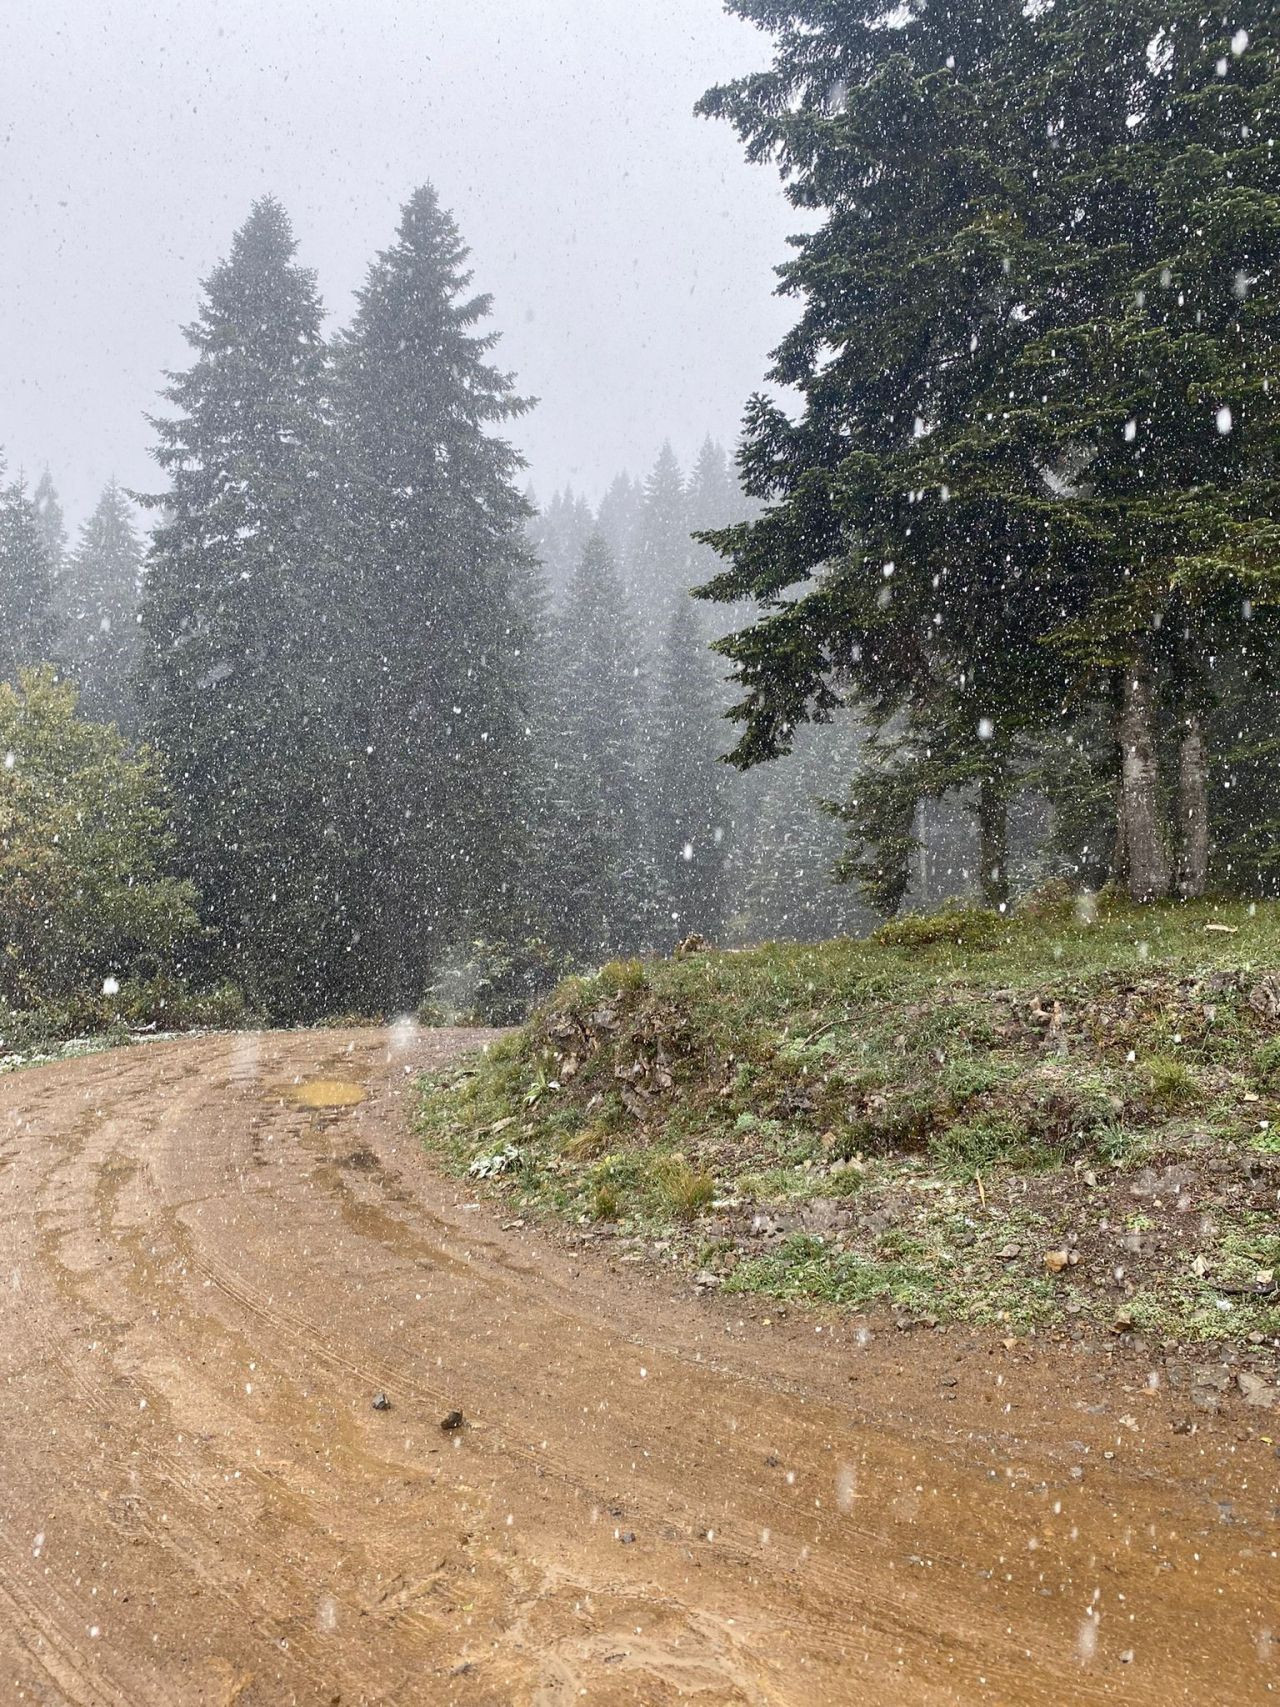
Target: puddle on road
(325,1093)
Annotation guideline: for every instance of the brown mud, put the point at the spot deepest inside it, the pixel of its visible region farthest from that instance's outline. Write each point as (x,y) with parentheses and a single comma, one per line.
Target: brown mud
(215,1254)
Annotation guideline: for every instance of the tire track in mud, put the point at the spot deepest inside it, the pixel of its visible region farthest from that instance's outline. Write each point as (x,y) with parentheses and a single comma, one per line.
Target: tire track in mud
(210,1283)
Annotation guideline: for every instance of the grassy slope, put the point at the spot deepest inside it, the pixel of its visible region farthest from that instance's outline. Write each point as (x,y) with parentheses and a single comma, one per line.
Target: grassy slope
(920,1120)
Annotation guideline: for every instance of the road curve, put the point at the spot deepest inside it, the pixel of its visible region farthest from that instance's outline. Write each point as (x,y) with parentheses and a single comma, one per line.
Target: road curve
(204,1282)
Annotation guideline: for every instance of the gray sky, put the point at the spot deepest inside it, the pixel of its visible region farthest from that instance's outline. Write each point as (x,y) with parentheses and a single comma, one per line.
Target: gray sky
(628,245)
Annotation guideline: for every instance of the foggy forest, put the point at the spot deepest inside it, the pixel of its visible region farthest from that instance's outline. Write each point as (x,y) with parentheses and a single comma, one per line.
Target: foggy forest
(640,852)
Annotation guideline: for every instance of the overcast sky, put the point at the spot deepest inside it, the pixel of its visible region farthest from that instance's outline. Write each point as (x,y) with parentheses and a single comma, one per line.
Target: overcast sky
(628,245)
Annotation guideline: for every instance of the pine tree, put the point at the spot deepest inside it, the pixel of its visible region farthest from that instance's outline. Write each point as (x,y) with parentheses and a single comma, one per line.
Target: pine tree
(712,496)
(1151,380)
(53,528)
(26,582)
(101,592)
(1047,231)
(660,564)
(233,673)
(618,518)
(606,901)
(688,822)
(557,535)
(431,526)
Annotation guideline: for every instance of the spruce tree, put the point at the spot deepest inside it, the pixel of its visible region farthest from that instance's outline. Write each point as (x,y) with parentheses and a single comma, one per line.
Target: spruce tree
(688,822)
(618,518)
(1045,234)
(605,899)
(431,529)
(557,535)
(26,582)
(660,564)
(53,528)
(101,592)
(1150,380)
(233,671)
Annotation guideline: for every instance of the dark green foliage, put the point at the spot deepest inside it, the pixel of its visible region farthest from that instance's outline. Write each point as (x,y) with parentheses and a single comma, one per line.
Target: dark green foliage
(1038,436)
(237,643)
(488,983)
(432,583)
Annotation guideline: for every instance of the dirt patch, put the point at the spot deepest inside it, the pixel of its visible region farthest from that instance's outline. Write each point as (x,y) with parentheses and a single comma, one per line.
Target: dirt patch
(653,1498)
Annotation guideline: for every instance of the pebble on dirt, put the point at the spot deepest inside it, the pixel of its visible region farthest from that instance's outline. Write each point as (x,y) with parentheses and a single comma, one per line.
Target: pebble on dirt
(381,1402)
(452,1422)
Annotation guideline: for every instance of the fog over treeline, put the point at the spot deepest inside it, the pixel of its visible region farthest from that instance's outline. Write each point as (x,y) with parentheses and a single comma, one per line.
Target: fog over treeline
(417,724)
(978,599)
(630,253)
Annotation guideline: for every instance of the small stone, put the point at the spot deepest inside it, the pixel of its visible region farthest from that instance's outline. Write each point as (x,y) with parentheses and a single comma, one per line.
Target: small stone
(1255,1391)
(453,1422)
(1056,1261)
(1008,1252)
(381,1402)
(1126,1658)
(627,1537)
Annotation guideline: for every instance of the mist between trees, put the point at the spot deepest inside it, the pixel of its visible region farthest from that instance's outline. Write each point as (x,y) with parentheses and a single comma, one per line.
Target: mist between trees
(998,586)
(421,739)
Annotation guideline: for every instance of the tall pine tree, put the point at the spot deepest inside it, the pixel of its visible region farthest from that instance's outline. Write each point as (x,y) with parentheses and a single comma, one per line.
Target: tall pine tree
(605,900)
(688,821)
(434,566)
(26,582)
(101,593)
(1043,282)
(557,535)
(52,523)
(233,673)
(660,564)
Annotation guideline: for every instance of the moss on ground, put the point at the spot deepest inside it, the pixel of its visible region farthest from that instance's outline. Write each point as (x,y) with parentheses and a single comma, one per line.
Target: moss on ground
(920,1119)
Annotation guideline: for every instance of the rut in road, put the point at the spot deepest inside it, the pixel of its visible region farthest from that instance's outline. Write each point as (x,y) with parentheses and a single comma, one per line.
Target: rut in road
(215,1252)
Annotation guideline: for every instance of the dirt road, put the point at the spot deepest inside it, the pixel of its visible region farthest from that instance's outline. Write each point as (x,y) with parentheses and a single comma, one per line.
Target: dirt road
(204,1283)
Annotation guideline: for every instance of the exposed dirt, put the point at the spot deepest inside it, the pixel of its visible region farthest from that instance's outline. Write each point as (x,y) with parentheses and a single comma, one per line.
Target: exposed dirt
(213,1259)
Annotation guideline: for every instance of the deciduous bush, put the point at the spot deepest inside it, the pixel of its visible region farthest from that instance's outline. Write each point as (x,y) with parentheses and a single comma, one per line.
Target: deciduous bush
(87,897)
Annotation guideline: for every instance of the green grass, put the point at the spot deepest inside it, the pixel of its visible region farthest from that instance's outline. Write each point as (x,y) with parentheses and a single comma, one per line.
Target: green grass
(1009,1058)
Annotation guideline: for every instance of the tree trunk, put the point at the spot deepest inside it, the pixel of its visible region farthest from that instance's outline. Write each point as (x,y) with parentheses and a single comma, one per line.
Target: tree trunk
(1193,810)
(1148,856)
(924,872)
(993,840)
(1119,873)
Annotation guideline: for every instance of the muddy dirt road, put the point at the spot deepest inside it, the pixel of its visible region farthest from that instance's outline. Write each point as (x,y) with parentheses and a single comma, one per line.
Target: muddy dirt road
(204,1282)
